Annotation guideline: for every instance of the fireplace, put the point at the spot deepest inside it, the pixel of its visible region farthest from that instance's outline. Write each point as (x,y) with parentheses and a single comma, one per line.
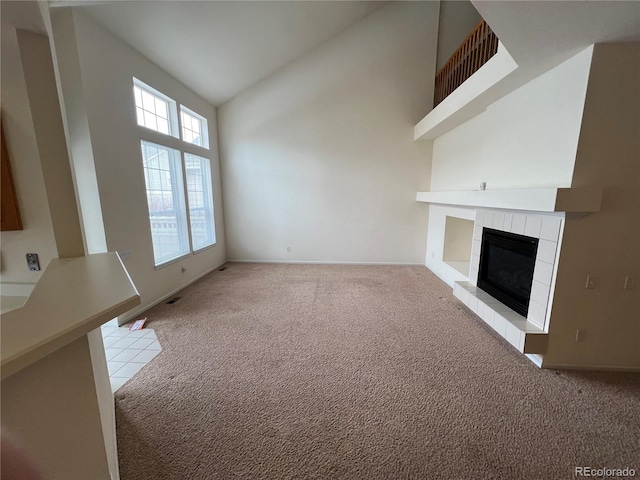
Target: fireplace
(507,262)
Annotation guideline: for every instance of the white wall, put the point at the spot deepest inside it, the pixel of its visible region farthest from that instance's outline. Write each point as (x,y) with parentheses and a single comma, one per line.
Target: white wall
(52,409)
(604,245)
(77,123)
(526,139)
(457,20)
(37,235)
(52,146)
(106,69)
(320,158)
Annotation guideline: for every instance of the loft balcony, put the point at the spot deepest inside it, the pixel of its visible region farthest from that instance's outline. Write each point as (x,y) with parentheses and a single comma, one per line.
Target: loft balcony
(530,41)
(479,46)
(474,76)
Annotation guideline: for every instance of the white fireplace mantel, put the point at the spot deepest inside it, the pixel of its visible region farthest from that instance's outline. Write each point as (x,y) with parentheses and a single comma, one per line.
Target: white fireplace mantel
(548,200)
(456,223)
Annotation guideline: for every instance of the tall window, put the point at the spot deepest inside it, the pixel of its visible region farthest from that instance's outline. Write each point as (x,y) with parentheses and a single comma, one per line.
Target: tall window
(178,182)
(200,197)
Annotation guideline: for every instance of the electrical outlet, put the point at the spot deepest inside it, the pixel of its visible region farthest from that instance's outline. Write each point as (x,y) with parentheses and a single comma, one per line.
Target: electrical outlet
(591,282)
(32,262)
(183,269)
(124,254)
(629,283)
(580,335)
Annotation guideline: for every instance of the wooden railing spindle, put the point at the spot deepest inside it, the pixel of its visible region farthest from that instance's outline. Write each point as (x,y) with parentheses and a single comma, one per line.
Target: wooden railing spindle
(479,46)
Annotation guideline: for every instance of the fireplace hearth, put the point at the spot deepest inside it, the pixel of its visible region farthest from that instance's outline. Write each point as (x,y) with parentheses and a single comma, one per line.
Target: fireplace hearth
(507,262)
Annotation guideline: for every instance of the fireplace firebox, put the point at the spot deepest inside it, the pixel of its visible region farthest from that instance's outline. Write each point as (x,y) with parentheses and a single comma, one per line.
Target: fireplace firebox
(507,261)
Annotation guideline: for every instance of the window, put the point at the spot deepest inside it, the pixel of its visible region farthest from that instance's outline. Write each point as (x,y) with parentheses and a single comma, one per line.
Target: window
(165,197)
(194,128)
(154,110)
(178,182)
(200,196)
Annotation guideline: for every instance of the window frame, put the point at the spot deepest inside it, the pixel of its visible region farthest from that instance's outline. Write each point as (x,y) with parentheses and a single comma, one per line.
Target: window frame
(204,127)
(176,142)
(208,188)
(172,110)
(178,200)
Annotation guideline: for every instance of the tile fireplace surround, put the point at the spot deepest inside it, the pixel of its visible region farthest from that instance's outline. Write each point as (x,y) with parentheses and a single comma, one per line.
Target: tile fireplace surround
(528,335)
(537,213)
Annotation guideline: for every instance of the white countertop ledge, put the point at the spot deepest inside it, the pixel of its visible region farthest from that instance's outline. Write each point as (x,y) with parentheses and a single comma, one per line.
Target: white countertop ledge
(73,297)
(575,200)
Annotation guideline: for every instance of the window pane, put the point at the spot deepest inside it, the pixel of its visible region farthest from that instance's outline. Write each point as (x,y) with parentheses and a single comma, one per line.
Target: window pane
(150,120)
(154,110)
(200,196)
(192,127)
(165,197)
(148,102)
(163,125)
(161,108)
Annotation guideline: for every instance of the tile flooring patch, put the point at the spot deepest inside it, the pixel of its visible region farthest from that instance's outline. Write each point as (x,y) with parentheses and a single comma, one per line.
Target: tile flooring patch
(127,352)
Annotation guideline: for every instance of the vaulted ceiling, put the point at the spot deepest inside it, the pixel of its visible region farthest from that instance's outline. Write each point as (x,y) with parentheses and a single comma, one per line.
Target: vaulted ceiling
(548,32)
(219,48)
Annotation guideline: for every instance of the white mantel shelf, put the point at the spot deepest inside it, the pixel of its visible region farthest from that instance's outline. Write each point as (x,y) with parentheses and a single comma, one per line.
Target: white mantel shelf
(73,297)
(573,200)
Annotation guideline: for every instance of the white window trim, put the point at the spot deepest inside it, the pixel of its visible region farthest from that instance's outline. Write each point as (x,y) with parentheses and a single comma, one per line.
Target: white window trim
(175,141)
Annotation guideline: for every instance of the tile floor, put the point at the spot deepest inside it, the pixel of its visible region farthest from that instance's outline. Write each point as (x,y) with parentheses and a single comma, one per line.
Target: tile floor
(127,352)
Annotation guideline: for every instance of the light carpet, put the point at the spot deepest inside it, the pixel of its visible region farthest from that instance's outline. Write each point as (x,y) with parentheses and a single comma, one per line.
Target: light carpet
(272,371)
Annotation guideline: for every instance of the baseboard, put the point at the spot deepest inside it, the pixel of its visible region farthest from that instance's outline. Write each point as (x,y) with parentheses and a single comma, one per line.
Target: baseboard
(129,316)
(535,358)
(598,368)
(325,262)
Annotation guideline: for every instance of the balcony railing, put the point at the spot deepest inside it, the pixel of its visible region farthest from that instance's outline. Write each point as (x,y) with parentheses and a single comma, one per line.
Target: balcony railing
(479,46)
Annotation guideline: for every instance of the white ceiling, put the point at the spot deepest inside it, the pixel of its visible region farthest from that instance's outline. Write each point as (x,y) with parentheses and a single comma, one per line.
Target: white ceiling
(219,48)
(544,33)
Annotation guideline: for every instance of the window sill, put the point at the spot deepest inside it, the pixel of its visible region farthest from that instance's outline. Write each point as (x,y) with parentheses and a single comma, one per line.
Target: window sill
(172,261)
(195,252)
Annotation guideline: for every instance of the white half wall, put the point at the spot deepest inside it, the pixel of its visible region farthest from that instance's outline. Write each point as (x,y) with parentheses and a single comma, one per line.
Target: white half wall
(105,100)
(526,139)
(318,161)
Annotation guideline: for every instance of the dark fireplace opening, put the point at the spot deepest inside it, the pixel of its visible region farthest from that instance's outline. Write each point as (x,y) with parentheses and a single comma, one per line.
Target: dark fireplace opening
(507,261)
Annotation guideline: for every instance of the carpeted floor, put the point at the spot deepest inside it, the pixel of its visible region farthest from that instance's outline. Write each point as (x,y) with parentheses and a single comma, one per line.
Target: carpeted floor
(357,372)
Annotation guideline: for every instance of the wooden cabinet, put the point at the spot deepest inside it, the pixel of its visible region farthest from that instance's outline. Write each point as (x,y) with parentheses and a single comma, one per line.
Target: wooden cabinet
(10,214)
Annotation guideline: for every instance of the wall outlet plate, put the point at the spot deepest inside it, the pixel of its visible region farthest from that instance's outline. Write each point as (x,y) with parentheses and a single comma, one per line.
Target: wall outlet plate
(32,262)
(628,283)
(591,282)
